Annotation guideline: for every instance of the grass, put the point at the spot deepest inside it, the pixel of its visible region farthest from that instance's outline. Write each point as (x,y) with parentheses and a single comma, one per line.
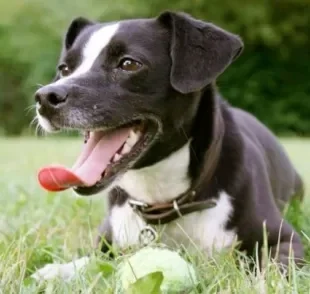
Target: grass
(38,228)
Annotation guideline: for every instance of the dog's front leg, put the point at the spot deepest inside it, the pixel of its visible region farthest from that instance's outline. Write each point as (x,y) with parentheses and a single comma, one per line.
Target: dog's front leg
(67,271)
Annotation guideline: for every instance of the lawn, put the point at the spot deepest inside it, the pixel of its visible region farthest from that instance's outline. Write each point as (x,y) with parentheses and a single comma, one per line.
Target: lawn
(37,227)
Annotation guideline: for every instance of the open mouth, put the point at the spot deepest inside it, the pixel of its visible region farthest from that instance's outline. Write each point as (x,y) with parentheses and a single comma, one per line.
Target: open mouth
(105,156)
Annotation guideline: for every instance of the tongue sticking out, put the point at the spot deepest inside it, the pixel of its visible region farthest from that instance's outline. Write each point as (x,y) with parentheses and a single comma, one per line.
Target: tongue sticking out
(90,165)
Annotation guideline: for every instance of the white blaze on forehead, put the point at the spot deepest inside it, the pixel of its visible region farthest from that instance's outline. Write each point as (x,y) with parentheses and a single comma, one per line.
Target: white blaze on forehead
(95,44)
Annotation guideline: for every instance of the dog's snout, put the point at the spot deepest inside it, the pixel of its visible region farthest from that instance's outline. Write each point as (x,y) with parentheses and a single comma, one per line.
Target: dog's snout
(51,96)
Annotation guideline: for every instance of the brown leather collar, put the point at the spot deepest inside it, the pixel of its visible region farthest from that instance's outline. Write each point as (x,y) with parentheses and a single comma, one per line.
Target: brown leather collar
(166,212)
(163,213)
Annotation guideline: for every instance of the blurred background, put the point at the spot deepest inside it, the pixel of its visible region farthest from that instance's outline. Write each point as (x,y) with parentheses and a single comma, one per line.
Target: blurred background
(270,79)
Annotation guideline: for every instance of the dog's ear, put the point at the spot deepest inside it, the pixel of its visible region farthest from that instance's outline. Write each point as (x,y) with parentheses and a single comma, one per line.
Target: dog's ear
(199,51)
(75,28)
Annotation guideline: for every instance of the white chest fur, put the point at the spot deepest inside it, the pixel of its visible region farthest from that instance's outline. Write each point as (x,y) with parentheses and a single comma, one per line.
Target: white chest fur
(160,182)
(204,230)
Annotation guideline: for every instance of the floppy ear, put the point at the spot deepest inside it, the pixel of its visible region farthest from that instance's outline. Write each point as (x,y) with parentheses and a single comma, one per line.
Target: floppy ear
(199,51)
(75,28)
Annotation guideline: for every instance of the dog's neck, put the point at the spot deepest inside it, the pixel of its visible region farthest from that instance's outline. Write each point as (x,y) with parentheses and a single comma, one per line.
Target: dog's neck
(160,182)
(172,176)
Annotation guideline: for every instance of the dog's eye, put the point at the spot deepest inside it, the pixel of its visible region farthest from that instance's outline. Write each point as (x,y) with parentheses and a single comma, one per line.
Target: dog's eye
(129,64)
(64,70)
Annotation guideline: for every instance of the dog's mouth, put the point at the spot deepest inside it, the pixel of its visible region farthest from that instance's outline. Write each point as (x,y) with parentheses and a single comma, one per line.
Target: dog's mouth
(105,156)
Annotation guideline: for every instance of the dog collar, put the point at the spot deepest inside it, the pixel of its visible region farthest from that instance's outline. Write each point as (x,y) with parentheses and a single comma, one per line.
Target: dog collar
(166,212)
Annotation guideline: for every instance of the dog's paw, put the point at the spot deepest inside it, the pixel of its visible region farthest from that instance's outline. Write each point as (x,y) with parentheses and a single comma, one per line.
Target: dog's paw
(64,271)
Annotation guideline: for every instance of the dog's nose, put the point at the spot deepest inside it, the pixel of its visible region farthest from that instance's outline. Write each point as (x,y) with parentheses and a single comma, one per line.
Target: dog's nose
(51,96)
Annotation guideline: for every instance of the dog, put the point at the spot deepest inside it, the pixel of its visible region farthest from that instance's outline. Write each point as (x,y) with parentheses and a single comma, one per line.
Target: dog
(171,153)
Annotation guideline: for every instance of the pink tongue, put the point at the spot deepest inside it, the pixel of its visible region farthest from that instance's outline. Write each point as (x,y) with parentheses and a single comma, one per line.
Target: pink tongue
(90,165)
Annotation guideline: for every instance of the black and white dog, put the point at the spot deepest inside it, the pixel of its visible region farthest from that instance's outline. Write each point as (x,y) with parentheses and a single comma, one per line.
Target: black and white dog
(173,155)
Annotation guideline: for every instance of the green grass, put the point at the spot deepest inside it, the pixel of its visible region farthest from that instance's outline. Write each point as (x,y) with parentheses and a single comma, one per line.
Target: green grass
(37,228)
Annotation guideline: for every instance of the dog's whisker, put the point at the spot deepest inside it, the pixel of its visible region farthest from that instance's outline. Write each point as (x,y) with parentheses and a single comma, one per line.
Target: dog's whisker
(30,108)
(39,86)
(39,131)
(33,121)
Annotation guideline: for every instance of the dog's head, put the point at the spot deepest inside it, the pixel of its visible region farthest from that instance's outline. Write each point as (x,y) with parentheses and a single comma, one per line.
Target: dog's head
(125,83)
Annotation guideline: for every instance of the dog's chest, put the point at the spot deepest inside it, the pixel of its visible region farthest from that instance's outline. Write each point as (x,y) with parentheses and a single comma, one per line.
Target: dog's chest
(204,230)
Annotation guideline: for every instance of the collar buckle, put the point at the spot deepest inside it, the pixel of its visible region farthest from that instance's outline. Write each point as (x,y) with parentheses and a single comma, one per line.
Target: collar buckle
(135,204)
(176,208)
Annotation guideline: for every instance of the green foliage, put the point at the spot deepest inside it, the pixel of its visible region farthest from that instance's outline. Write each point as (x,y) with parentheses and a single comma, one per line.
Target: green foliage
(270,79)
(274,89)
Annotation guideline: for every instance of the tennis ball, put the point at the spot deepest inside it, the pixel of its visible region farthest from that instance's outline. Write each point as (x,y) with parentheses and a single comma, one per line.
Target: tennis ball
(178,275)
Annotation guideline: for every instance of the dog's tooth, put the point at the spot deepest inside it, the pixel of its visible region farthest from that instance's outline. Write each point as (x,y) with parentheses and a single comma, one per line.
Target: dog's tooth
(117,157)
(132,133)
(86,136)
(139,134)
(126,148)
(132,139)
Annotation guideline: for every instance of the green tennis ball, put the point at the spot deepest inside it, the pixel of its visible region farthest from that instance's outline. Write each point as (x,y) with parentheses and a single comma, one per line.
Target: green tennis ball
(178,275)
